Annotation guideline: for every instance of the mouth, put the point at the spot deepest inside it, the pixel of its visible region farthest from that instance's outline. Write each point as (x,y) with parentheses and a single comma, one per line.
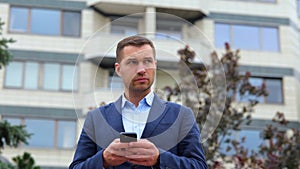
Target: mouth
(141,80)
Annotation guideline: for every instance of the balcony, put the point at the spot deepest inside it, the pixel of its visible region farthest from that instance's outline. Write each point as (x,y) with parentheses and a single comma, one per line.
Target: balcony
(190,11)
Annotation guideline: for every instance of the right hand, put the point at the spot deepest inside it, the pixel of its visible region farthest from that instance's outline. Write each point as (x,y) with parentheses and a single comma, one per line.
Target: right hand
(115,153)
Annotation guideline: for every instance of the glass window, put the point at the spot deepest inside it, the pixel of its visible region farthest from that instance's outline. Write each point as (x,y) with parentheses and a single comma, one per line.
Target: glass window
(224,145)
(168,29)
(68,77)
(71,24)
(45,21)
(14,75)
(18,19)
(222,35)
(47,133)
(43,132)
(274,87)
(13,121)
(246,37)
(126,26)
(270,40)
(66,134)
(34,75)
(246,97)
(31,75)
(51,79)
(252,139)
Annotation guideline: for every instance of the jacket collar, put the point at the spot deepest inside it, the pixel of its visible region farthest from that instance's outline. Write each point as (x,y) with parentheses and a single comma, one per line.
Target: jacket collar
(156,114)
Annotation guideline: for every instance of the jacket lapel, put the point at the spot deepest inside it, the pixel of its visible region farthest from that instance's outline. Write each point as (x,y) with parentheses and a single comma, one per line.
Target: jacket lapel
(114,117)
(156,114)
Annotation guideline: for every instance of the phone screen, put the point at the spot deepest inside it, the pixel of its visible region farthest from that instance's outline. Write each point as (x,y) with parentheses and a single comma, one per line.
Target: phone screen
(126,137)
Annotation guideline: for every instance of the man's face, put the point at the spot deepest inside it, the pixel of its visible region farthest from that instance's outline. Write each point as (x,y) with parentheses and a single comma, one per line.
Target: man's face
(137,68)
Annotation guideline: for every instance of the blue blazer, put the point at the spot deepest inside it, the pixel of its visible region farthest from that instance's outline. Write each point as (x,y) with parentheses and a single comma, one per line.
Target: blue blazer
(171,127)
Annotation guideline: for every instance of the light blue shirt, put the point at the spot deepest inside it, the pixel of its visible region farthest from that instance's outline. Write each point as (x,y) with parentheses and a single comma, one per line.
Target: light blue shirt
(135,118)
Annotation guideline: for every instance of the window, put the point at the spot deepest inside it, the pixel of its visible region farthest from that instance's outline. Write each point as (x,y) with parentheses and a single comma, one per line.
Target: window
(14,75)
(51,76)
(247,37)
(48,133)
(252,141)
(49,26)
(66,134)
(34,76)
(19,19)
(44,21)
(42,131)
(68,77)
(168,29)
(71,24)
(31,75)
(125,26)
(273,86)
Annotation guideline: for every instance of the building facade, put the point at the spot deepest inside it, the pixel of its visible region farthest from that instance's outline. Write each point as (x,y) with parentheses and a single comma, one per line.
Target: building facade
(63,58)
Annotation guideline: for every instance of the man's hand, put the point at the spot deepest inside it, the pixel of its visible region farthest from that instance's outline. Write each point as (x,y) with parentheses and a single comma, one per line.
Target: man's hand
(142,152)
(115,154)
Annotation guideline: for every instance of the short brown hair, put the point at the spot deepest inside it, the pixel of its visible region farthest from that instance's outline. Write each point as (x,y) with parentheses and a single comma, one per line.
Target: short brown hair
(132,41)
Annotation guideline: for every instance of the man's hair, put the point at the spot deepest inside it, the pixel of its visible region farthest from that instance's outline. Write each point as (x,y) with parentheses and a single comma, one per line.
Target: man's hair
(136,41)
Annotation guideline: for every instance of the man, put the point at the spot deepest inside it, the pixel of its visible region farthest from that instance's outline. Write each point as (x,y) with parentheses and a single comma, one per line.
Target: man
(167,133)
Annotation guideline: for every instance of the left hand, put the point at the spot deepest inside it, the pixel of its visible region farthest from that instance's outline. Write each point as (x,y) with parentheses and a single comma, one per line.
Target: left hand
(143,152)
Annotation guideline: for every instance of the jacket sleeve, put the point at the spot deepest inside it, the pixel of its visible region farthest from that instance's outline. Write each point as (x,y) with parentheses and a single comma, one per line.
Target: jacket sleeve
(88,154)
(190,154)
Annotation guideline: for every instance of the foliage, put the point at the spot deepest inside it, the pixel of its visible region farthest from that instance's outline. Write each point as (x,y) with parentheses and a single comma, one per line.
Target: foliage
(283,145)
(12,135)
(4,165)
(5,56)
(25,162)
(234,114)
(21,162)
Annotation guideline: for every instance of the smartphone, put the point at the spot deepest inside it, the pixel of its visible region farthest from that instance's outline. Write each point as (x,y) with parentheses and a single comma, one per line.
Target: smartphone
(126,137)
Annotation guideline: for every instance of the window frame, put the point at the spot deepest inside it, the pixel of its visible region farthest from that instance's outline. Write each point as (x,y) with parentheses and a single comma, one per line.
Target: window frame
(130,23)
(55,141)
(265,98)
(29,21)
(40,79)
(261,45)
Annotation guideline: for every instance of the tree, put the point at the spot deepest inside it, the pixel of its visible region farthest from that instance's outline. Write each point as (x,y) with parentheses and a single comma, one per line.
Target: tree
(200,98)
(5,56)
(12,135)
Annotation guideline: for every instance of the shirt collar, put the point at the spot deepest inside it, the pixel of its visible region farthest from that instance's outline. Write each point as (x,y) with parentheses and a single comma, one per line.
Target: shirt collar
(148,99)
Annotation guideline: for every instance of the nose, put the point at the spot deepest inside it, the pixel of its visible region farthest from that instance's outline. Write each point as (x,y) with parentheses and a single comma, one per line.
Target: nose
(141,69)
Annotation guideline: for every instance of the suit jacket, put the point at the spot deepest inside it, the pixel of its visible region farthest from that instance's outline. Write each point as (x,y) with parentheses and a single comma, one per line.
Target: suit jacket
(171,127)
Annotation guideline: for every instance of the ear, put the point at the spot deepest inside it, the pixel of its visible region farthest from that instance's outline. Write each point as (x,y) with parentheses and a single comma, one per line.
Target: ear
(117,69)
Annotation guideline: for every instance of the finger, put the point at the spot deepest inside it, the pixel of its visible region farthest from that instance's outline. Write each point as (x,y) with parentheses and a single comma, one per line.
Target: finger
(142,143)
(140,151)
(142,162)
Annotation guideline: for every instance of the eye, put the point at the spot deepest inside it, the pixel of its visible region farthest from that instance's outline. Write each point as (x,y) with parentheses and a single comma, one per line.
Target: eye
(148,61)
(132,62)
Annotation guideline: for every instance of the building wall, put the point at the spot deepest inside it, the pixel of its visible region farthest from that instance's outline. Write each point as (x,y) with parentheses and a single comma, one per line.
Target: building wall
(96,42)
